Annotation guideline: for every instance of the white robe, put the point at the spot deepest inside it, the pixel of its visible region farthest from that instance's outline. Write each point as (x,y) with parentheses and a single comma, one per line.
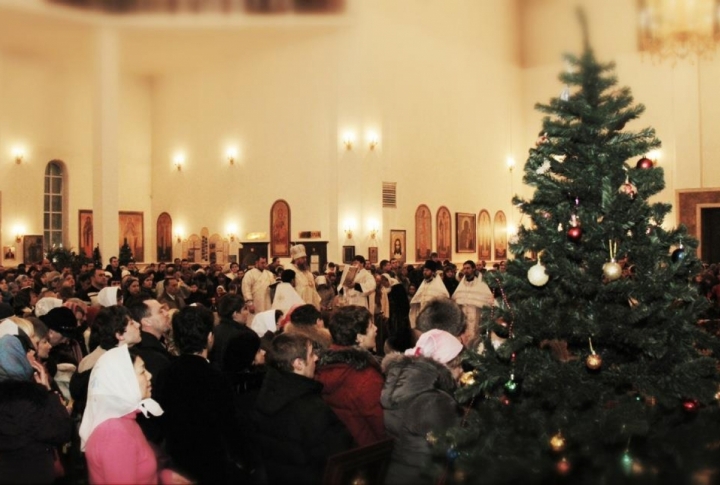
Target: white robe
(286,297)
(426,292)
(256,287)
(305,286)
(471,296)
(360,298)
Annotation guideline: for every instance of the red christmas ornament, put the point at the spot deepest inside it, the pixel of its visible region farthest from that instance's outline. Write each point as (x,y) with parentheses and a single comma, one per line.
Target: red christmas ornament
(505,401)
(563,466)
(628,189)
(574,234)
(645,163)
(690,405)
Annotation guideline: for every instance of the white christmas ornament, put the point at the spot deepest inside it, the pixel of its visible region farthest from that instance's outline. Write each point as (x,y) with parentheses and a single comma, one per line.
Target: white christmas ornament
(537,275)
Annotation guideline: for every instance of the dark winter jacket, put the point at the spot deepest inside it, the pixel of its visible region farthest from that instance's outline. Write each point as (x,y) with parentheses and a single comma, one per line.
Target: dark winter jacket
(416,400)
(222,334)
(352,383)
(33,422)
(296,429)
(157,359)
(202,434)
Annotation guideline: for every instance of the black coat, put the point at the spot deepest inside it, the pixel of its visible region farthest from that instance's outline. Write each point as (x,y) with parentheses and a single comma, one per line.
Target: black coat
(33,422)
(157,359)
(202,435)
(297,431)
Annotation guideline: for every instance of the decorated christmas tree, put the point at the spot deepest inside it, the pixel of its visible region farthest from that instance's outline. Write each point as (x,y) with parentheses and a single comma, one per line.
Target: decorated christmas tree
(604,375)
(125,255)
(97,257)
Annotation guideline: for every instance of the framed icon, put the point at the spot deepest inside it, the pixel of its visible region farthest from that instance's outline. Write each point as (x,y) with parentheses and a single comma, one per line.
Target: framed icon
(398,248)
(466,232)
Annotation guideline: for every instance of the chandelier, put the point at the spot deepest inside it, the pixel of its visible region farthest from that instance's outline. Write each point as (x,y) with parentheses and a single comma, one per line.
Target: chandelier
(679,28)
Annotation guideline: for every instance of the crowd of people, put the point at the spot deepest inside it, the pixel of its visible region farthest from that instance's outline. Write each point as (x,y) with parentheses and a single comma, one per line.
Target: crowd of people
(182,373)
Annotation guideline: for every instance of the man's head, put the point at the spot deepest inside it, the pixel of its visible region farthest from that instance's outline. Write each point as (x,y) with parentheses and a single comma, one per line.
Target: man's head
(292,353)
(152,315)
(434,256)
(385,266)
(115,326)
(99,278)
(234,268)
(444,314)
(192,329)
(468,270)
(261,263)
(230,305)
(114,262)
(429,270)
(358,261)
(299,256)
(306,315)
(288,276)
(172,286)
(449,271)
(351,325)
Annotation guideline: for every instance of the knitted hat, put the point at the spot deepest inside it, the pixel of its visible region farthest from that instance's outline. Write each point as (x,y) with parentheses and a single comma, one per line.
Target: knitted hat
(297,251)
(438,345)
(44,305)
(61,320)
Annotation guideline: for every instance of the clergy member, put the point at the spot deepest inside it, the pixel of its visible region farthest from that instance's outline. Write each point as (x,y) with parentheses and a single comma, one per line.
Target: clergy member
(304,279)
(431,287)
(471,294)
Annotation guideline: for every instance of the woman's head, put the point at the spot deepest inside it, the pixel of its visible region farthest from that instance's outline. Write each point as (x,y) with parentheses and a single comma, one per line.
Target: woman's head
(142,375)
(442,347)
(351,325)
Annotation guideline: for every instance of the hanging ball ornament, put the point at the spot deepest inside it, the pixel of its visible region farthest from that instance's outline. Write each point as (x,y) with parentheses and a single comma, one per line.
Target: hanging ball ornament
(505,401)
(563,466)
(431,438)
(574,234)
(690,405)
(612,270)
(645,163)
(511,386)
(542,139)
(537,275)
(467,379)
(452,454)
(593,362)
(678,254)
(627,462)
(557,442)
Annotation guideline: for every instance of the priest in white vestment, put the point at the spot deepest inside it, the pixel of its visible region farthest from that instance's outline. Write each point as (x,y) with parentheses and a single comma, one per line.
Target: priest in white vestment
(304,279)
(357,283)
(471,295)
(256,288)
(285,295)
(432,287)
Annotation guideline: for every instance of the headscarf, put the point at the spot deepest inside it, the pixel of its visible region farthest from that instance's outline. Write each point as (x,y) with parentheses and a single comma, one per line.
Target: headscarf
(113,392)
(44,305)
(438,345)
(14,364)
(108,296)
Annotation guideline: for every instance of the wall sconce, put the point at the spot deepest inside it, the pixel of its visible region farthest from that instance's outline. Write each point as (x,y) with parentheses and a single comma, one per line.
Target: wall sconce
(373,233)
(18,154)
(510,163)
(179,161)
(19,233)
(348,232)
(231,230)
(348,140)
(231,155)
(373,140)
(179,235)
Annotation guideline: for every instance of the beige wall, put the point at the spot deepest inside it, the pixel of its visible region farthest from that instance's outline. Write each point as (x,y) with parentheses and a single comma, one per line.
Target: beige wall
(448,86)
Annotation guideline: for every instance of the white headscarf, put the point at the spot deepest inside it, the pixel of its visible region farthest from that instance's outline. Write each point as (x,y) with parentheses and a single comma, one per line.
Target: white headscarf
(108,296)
(113,392)
(44,305)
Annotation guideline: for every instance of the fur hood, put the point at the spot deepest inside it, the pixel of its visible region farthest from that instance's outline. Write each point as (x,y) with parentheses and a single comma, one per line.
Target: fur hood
(409,376)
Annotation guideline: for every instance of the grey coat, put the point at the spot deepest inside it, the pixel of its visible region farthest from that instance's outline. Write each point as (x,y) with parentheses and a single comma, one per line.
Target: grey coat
(416,400)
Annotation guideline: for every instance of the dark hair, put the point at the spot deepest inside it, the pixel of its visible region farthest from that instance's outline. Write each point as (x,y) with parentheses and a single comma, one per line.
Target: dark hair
(285,348)
(109,321)
(134,354)
(191,327)
(305,315)
(230,304)
(470,262)
(347,322)
(359,258)
(287,276)
(443,314)
(137,307)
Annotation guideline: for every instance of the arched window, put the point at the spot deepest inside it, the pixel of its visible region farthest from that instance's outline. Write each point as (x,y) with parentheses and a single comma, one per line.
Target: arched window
(53,213)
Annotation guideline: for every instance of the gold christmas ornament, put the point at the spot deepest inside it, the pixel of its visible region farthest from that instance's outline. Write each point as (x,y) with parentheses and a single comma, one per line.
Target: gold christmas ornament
(467,379)
(557,442)
(593,361)
(431,438)
(612,270)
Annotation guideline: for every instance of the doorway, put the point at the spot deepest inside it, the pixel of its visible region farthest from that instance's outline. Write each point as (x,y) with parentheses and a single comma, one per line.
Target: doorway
(710,234)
